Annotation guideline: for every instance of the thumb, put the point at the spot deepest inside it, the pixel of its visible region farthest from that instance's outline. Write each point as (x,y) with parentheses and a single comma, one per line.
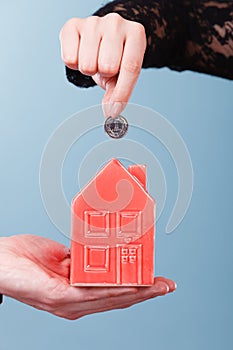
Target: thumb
(108,103)
(111,106)
(107,99)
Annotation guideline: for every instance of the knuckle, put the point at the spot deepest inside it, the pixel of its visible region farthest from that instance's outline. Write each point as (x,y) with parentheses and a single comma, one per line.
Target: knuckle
(69,26)
(92,20)
(87,68)
(90,25)
(69,60)
(139,28)
(113,16)
(113,25)
(107,68)
(139,32)
(121,94)
(72,22)
(133,67)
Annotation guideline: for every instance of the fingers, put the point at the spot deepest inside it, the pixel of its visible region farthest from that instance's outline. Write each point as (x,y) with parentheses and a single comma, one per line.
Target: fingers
(111,50)
(131,64)
(89,47)
(110,53)
(171,284)
(88,294)
(135,296)
(109,61)
(93,300)
(69,39)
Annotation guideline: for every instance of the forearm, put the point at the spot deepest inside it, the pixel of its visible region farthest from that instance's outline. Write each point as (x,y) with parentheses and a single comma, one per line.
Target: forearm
(209,41)
(181,35)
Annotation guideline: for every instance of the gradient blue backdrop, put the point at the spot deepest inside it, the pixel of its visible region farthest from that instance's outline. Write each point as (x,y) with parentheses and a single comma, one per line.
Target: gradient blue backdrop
(35,99)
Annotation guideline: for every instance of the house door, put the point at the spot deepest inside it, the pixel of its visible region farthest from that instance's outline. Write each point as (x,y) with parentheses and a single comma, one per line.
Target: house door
(129,264)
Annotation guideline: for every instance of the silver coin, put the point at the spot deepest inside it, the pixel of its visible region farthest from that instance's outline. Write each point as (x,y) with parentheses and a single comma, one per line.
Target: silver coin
(116,127)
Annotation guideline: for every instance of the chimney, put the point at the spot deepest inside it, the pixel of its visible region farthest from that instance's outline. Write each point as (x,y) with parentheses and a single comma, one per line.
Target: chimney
(139,172)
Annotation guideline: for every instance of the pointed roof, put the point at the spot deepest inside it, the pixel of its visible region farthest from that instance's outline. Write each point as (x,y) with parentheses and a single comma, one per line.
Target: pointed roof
(115,176)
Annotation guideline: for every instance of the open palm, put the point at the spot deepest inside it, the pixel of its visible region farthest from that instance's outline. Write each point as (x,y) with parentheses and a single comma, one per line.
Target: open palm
(35,271)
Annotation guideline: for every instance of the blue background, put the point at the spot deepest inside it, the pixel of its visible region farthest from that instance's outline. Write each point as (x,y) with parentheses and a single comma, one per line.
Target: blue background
(35,99)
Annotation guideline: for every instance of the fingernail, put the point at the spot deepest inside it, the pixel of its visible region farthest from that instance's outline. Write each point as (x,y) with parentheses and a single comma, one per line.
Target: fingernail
(173,289)
(106,109)
(164,289)
(116,108)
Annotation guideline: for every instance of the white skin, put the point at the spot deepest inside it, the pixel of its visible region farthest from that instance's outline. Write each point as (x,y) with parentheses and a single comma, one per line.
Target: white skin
(111,50)
(35,271)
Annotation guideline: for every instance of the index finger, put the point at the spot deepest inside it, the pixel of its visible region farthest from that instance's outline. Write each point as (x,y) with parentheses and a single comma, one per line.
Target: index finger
(131,63)
(70,40)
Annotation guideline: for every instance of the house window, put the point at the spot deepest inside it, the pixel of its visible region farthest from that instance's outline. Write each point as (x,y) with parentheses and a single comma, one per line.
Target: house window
(124,258)
(96,223)
(96,259)
(129,224)
(132,259)
(124,251)
(128,255)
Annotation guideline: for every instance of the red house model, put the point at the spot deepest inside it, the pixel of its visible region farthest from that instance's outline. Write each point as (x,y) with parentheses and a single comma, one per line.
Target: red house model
(113,227)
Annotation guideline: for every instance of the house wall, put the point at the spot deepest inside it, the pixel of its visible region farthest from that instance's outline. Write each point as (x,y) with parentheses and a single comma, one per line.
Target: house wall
(113,230)
(97,259)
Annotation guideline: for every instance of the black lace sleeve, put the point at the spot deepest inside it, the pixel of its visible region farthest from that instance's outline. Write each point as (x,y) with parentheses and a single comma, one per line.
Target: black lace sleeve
(182,35)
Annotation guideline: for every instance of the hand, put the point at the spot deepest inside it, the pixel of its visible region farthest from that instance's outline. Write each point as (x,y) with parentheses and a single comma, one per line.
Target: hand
(35,271)
(111,50)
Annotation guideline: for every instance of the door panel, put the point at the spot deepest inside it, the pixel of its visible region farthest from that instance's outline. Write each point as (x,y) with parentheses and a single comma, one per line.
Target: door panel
(129,264)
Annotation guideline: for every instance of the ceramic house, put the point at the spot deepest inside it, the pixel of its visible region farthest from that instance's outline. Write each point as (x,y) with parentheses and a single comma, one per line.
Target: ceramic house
(113,228)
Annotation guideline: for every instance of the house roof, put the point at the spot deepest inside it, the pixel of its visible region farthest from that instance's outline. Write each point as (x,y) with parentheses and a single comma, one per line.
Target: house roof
(115,176)
(113,190)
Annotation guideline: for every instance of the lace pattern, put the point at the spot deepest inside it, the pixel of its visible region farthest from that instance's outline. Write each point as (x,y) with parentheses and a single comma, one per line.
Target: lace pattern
(181,35)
